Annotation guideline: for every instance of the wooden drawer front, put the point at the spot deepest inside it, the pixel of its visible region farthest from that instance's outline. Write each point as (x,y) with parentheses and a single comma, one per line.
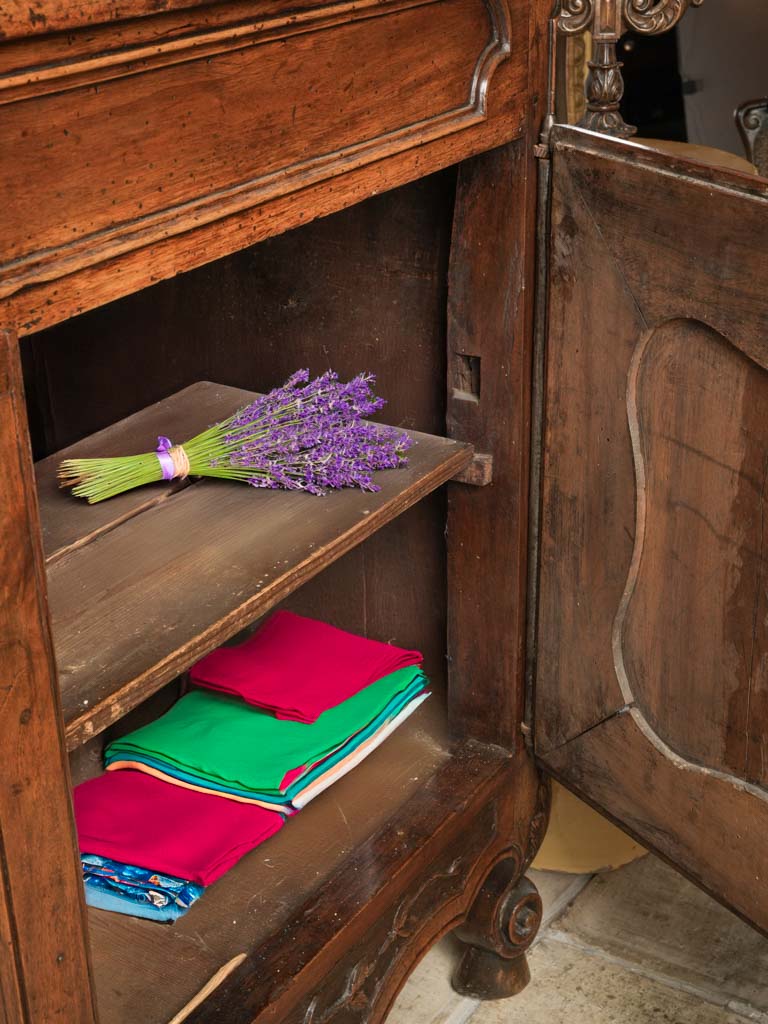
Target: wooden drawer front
(119,152)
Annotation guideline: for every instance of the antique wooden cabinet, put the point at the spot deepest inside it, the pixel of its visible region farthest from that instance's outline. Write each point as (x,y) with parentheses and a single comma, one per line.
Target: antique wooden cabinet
(147,149)
(226,191)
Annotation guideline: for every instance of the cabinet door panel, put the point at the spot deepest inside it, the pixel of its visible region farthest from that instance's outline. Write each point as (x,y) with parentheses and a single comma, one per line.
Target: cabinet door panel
(652,640)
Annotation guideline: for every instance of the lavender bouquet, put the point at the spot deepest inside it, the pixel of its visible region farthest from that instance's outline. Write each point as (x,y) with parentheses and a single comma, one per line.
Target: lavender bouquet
(306,435)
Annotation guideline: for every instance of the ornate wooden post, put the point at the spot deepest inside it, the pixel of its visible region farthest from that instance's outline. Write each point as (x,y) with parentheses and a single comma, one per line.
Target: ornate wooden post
(607,20)
(752,122)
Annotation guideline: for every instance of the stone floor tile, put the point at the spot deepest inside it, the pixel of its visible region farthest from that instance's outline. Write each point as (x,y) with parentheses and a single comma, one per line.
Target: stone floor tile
(569,986)
(649,915)
(427,996)
(557,889)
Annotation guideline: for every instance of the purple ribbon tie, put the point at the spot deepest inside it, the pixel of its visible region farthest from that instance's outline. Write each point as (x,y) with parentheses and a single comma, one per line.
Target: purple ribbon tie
(166,462)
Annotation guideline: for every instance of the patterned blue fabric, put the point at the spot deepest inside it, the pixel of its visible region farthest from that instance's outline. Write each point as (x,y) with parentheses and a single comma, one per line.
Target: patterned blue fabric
(127,889)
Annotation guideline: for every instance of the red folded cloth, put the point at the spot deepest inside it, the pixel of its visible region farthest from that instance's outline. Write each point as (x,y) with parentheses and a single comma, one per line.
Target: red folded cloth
(136,819)
(298,668)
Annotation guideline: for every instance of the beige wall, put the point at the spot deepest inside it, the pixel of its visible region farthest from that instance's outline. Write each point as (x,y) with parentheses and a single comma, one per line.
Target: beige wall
(581,841)
(723,45)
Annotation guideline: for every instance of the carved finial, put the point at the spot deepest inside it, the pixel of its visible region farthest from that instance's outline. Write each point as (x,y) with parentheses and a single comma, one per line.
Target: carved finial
(607,20)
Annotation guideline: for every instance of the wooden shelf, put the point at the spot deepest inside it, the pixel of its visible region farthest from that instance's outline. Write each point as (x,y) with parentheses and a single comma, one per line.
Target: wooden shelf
(331,861)
(143,585)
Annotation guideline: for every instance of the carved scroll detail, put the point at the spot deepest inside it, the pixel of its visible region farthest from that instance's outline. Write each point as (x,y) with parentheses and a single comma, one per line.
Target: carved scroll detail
(575,16)
(501,925)
(606,20)
(477,888)
(653,16)
(752,122)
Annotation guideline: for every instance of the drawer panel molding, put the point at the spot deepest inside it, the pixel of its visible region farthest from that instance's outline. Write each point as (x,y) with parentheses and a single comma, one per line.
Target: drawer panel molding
(211,125)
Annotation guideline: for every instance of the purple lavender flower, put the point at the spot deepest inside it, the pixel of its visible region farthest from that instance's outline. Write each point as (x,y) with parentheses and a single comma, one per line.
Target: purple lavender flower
(311,436)
(308,435)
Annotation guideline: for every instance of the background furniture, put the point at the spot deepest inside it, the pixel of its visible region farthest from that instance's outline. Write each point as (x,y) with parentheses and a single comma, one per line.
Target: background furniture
(722,59)
(752,122)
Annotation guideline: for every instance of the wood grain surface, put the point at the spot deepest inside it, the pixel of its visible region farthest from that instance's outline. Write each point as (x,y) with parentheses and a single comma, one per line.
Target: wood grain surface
(333,913)
(126,605)
(489,345)
(44,969)
(362,289)
(243,132)
(134,962)
(488,396)
(253,119)
(49,16)
(266,127)
(578,542)
(705,461)
(652,653)
(672,397)
(712,831)
(68,524)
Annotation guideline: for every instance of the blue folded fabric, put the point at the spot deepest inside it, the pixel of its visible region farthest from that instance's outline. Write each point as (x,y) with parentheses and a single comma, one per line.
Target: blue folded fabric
(103,900)
(126,889)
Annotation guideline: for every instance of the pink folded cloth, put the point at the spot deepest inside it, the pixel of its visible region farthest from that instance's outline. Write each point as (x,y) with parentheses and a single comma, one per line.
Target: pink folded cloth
(298,667)
(136,819)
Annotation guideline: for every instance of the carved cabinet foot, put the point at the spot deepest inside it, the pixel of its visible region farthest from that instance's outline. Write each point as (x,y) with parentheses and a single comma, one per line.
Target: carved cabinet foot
(500,926)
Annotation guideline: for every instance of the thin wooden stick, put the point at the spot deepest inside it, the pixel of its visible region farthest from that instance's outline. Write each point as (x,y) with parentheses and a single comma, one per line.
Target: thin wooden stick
(208,987)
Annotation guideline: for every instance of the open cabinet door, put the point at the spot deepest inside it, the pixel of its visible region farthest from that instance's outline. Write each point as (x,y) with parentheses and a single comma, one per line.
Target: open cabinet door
(651,695)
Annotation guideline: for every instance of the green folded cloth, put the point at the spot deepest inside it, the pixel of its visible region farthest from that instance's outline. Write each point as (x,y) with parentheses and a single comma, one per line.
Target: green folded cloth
(220,739)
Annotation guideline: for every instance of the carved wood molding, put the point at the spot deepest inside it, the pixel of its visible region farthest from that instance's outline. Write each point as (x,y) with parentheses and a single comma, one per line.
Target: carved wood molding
(415,921)
(643,352)
(651,17)
(607,20)
(575,16)
(49,262)
(478,888)
(105,57)
(662,787)
(398,893)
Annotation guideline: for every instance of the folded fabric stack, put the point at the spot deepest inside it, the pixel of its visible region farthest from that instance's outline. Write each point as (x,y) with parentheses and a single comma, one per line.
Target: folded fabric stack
(153,848)
(215,743)
(276,721)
